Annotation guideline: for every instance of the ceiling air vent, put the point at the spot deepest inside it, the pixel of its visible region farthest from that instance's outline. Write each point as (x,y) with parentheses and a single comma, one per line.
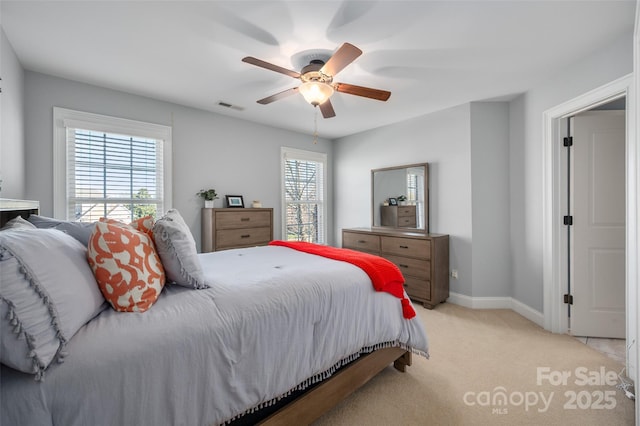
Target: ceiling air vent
(228,105)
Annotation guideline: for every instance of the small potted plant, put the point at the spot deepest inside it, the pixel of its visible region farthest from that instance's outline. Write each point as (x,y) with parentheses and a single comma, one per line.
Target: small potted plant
(208,195)
(402,200)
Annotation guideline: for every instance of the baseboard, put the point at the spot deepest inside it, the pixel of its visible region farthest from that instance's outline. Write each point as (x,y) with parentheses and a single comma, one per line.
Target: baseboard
(497,303)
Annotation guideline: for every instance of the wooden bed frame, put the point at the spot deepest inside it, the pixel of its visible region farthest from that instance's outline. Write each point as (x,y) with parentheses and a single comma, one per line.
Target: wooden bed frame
(312,404)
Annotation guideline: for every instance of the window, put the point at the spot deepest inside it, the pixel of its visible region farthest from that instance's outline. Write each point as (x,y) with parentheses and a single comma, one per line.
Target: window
(110,167)
(304,195)
(415,189)
(412,186)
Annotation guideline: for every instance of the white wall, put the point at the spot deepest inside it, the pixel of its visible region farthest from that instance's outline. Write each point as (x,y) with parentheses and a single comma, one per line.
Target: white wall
(491,262)
(441,139)
(526,169)
(12,152)
(210,150)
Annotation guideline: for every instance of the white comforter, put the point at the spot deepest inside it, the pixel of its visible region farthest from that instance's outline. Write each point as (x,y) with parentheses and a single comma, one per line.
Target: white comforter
(274,320)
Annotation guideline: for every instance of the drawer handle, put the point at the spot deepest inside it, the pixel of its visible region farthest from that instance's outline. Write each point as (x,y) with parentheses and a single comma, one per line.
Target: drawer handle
(245,219)
(245,236)
(404,247)
(403,266)
(362,242)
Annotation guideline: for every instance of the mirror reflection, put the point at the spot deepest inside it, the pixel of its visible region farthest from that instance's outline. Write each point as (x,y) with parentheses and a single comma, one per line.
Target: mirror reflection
(400,197)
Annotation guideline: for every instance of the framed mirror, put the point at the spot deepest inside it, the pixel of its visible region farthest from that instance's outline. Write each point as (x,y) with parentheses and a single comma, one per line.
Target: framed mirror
(400,198)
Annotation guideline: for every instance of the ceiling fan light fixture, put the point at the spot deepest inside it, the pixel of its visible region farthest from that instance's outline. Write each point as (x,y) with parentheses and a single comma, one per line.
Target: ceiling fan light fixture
(317,78)
(315,92)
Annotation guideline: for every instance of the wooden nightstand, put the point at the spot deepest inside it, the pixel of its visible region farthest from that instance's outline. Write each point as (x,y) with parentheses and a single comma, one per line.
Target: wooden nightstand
(224,229)
(398,216)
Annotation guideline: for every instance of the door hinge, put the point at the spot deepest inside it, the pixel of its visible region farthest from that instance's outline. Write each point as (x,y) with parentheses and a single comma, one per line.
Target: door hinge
(568,220)
(568,141)
(568,298)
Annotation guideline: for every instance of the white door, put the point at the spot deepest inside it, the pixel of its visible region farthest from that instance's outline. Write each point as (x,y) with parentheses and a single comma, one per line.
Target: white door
(598,284)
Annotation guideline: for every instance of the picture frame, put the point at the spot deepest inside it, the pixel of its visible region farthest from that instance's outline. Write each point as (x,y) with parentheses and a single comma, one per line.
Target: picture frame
(234,201)
(393,202)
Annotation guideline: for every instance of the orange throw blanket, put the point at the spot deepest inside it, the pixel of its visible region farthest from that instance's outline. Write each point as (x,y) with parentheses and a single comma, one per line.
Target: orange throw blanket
(385,276)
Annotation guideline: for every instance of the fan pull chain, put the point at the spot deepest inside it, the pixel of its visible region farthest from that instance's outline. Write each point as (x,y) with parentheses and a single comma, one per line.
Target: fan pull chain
(315,127)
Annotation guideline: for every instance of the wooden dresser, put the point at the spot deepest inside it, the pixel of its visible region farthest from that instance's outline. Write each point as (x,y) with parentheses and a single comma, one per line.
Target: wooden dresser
(423,259)
(224,229)
(398,216)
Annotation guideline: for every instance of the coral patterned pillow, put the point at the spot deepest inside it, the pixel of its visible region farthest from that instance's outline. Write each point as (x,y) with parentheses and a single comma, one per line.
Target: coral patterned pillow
(126,266)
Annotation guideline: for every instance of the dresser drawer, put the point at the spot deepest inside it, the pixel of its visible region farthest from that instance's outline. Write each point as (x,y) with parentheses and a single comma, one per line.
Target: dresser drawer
(409,267)
(406,247)
(230,238)
(363,242)
(417,288)
(242,219)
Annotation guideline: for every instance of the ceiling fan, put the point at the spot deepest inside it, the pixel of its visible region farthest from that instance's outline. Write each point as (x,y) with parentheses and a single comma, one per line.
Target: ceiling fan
(317,80)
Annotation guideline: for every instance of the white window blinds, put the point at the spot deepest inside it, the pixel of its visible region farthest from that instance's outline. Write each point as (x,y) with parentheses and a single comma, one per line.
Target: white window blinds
(304,195)
(111,169)
(114,176)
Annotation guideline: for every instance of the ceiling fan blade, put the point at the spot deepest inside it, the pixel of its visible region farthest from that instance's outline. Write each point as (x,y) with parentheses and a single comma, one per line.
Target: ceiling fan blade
(327,109)
(260,63)
(346,54)
(278,96)
(366,92)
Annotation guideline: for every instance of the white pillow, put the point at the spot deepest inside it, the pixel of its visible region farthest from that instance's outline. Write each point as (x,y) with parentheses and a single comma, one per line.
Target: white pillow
(47,292)
(177,250)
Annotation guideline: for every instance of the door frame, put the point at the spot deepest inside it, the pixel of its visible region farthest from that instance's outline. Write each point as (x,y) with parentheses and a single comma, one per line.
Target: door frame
(554,234)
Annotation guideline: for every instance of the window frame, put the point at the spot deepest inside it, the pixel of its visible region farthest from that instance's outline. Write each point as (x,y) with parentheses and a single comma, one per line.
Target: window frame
(303,155)
(64,118)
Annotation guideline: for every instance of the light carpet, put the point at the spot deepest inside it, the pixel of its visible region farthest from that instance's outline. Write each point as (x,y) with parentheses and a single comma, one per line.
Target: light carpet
(491,367)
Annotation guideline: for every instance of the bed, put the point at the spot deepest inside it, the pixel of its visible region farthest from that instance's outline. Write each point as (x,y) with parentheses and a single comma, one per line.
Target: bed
(279,336)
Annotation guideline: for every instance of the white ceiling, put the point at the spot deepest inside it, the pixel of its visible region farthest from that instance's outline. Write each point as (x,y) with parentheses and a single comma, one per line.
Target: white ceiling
(430,54)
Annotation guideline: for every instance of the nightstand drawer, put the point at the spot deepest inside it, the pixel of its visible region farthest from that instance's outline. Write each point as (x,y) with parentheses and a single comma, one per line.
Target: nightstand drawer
(407,211)
(406,247)
(231,238)
(243,219)
(407,221)
(365,242)
(411,267)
